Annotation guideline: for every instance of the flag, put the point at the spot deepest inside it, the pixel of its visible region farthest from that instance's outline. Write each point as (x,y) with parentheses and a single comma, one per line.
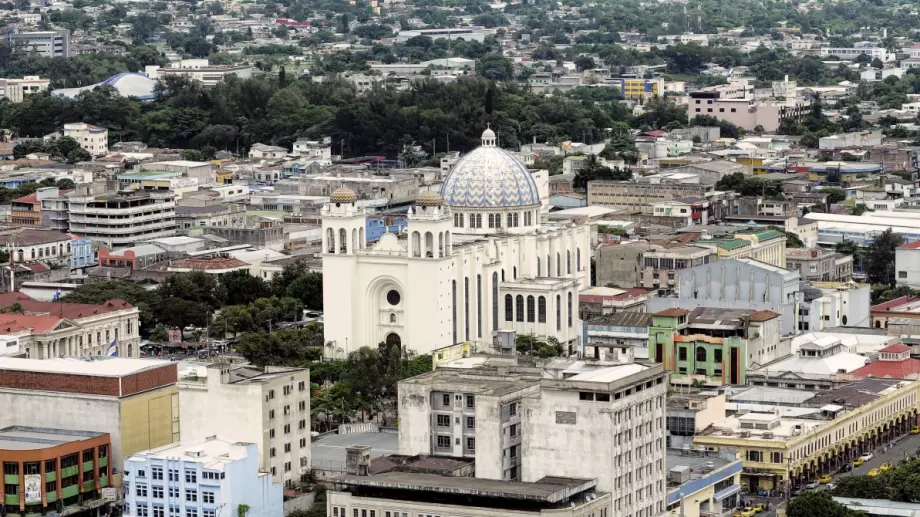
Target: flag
(112,351)
(57,295)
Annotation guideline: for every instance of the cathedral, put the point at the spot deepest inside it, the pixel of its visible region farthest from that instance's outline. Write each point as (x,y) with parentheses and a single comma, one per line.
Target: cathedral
(477,258)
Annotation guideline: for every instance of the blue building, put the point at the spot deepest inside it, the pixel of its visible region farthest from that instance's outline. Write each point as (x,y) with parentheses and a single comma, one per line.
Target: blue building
(81,254)
(376,226)
(200,479)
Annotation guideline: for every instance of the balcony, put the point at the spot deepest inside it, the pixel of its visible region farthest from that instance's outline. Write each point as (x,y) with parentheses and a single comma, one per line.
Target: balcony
(70,491)
(109,212)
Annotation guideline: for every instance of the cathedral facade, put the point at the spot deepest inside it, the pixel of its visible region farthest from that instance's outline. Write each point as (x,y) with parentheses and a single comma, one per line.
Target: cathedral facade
(476,258)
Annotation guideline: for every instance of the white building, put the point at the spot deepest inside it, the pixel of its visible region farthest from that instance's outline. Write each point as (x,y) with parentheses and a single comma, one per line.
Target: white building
(206,478)
(269,409)
(16,89)
(45,43)
(479,260)
(907,264)
(853,53)
(266,152)
(200,70)
(319,151)
(563,418)
(94,139)
(122,218)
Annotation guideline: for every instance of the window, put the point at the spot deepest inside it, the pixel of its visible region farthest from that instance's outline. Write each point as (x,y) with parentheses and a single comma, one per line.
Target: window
(470,422)
(156,473)
(466,308)
(509,307)
(207,497)
(191,496)
(470,401)
(902,274)
(519,306)
(717,356)
(494,301)
(478,305)
(287,428)
(141,511)
(558,312)
(471,444)
(191,476)
(445,399)
(513,430)
(443,442)
(443,420)
(541,309)
(681,353)
(700,354)
(207,512)
(570,309)
(140,490)
(157,491)
(173,475)
(530,309)
(173,492)
(271,453)
(158,511)
(287,447)
(271,414)
(191,512)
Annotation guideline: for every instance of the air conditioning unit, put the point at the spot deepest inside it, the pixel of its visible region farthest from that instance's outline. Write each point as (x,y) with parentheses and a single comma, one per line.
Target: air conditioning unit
(745,434)
(767,435)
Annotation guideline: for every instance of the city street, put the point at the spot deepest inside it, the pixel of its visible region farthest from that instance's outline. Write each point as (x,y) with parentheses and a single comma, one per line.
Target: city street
(900,450)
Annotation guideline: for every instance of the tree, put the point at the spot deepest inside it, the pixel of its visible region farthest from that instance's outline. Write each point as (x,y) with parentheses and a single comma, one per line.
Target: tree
(97,293)
(860,209)
(297,281)
(495,67)
(584,63)
(284,347)
(880,258)
(593,170)
(79,155)
(817,504)
(834,195)
(160,334)
(232,320)
(861,487)
(241,288)
(621,146)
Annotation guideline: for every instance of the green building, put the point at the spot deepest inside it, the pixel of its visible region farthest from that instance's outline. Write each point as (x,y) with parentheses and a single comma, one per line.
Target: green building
(711,345)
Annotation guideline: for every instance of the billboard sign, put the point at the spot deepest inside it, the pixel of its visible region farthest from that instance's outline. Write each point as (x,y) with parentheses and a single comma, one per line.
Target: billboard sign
(33,488)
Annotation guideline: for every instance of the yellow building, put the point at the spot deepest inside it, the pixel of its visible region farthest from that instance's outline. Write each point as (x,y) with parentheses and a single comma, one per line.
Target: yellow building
(450,353)
(829,429)
(768,246)
(135,400)
(223,176)
(640,88)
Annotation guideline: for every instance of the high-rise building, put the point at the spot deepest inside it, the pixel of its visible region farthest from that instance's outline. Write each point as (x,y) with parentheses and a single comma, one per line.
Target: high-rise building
(268,407)
(45,43)
(523,423)
(121,218)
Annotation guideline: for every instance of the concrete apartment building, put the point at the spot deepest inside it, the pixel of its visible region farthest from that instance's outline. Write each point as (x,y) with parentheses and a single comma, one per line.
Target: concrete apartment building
(203,172)
(16,89)
(367,186)
(201,478)
(647,265)
(122,218)
(269,408)
(55,329)
(523,423)
(640,197)
(31,244)
(45,43)
(767,246)
(745,112)
(58,470)
(200,70)
(135,400)
(907,264)
(819,265)
(93,139)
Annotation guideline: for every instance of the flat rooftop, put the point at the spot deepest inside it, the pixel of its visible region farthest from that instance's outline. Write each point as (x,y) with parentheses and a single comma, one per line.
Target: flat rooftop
(328,452)
(212,452)
(547,490)
(21,438)
(98,366)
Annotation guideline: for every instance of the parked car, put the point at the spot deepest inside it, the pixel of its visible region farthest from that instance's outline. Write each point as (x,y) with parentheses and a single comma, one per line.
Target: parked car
(824,479)
(866,456)
(873,473)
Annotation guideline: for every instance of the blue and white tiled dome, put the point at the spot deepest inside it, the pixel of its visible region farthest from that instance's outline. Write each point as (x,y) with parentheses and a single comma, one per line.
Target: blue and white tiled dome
(489,177)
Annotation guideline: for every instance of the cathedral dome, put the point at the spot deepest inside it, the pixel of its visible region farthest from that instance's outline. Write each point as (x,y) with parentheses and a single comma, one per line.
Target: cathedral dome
(343,195)
(489,177)
(429,198)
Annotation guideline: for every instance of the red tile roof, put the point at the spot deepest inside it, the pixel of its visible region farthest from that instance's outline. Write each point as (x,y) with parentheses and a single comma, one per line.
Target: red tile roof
(908,369)
(884,306)
(673,313)
(14,323)
(73,311)
(31,199)
(763,315)
(206,263)
(896,348)
(910,246)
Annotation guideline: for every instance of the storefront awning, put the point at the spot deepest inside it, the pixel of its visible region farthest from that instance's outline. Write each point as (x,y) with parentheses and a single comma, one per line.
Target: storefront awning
(730,491)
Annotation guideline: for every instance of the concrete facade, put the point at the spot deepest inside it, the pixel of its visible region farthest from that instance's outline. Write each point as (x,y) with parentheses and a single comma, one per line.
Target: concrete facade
(270,410)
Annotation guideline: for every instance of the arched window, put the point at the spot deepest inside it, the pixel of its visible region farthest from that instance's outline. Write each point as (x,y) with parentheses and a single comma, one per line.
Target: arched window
(519,306)
(440,244)
(578,258)
(416,244)
(343,240)
(498,220)
(558,312)
(514,272)
(568,262)
(700,354)
(453,294)
(539,271)
(509,307)
(570,309)
(354,239)
(494,301)
(530,309)
(516,221)
(549,268)
(330,242)
(466,308)
(478,305)
(541,309)
(503,275)
(510,221)
(558,264)
(491,221)
(392,318)
(429,244)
